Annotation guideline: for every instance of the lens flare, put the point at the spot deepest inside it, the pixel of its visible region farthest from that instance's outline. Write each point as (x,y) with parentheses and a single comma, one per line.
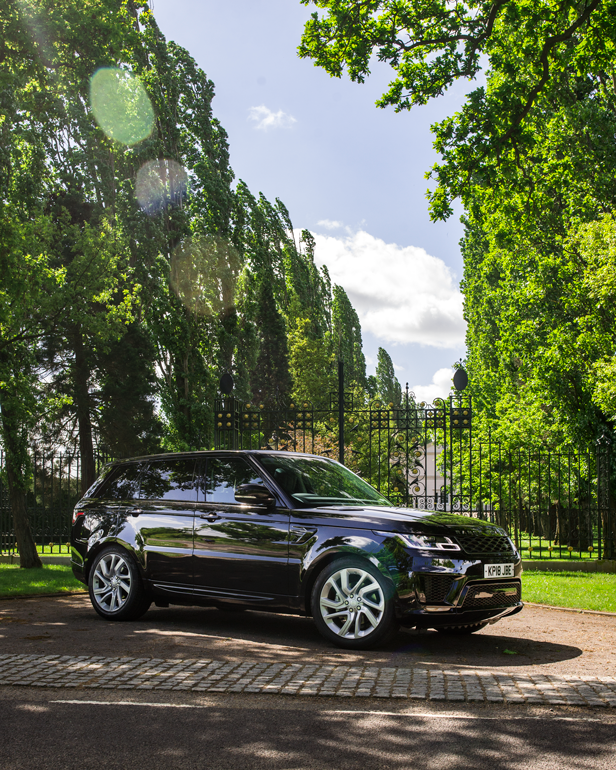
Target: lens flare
(160,184)
(37,24)
(204,272)
(121,106)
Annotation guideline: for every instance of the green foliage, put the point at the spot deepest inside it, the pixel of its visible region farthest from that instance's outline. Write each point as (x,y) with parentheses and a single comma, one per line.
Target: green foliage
(133,273)
(125,395)
(311,363)
(387,383)
(527,49)
(270,381)
(541,320)
(346,336)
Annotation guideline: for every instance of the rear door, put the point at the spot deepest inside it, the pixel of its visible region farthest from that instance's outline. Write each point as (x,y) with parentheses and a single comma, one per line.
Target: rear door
(241,550)
(166,511)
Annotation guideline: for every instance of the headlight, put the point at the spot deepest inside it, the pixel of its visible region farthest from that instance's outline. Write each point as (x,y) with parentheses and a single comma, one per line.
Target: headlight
(429,542)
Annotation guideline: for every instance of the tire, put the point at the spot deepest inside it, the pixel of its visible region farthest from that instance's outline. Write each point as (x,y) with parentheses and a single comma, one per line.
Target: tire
(461,630)
(116,588)
(355,621)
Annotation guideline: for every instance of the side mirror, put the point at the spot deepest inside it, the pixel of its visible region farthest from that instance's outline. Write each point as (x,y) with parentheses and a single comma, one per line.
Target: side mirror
(254,494)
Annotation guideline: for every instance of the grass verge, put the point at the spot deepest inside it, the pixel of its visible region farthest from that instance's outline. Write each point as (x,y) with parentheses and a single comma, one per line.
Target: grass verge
(578,590)
(51,579)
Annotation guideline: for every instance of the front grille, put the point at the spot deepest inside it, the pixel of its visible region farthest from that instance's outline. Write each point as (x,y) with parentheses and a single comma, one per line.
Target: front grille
(436,588)
(477,543)
(489,595)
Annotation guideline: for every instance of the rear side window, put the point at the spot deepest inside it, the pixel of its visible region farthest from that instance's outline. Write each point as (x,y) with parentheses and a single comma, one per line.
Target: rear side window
(169,480)
(122,483)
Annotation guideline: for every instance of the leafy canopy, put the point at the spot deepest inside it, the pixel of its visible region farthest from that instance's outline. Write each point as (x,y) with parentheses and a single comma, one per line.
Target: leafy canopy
(525,47)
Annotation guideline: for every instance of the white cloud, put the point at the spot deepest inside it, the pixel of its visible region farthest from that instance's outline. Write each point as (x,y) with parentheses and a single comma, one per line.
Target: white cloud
(401,293)
(439,388)
(330,224)
(266,119)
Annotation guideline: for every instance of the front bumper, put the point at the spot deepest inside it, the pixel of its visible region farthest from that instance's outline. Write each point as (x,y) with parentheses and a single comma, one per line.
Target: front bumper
(439,592)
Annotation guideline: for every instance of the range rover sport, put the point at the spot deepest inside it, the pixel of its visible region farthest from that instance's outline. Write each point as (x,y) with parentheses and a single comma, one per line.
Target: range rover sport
(291,533)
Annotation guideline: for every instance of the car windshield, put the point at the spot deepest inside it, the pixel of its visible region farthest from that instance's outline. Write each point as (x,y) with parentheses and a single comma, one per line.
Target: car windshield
(318,481)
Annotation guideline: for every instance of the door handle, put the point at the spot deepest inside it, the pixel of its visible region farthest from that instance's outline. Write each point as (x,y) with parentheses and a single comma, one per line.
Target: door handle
(136,512)
(209,516)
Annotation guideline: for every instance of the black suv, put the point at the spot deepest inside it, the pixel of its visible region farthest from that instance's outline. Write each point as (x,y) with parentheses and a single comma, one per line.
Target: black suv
(286,532)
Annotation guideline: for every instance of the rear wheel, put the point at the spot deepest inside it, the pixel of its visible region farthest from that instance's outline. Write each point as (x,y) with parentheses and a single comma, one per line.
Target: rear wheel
(352,604)
(116,588)
(461,630)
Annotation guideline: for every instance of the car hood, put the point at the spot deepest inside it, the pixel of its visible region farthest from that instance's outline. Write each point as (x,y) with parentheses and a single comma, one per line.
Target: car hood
(390,519)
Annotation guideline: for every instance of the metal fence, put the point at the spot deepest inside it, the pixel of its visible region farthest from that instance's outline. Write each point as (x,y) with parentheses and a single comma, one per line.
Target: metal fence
(55,489)
(553,504)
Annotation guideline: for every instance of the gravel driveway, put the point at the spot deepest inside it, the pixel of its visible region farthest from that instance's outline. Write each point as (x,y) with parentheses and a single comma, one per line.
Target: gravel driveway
(543,641)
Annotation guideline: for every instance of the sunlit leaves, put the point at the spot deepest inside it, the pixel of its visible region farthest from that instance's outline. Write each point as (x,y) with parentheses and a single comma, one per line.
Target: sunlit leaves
(523,47)
(121,105)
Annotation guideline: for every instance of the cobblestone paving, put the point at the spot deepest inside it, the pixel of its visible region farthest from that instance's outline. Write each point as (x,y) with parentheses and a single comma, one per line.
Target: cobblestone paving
(196,675)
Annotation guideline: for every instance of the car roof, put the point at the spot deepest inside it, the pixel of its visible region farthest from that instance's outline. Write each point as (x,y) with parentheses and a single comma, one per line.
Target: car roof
(215,452)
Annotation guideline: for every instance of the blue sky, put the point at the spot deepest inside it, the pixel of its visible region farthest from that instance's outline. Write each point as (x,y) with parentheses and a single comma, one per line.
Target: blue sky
(349,172)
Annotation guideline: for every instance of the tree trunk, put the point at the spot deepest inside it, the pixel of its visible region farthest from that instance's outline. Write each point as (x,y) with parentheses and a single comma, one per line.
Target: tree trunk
(17,494)
(609,529)
(82,401)
(28,555)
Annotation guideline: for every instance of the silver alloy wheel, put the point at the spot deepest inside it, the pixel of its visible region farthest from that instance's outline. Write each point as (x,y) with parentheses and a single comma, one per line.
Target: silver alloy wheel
(352,603)
(112,582)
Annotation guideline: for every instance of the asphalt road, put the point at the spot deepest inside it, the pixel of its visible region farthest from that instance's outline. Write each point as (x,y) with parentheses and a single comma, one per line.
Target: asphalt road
(64,730)
(130,729)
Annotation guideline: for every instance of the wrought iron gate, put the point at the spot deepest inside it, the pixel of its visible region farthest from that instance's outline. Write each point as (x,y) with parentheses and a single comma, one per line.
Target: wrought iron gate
(419,455)
(407,451)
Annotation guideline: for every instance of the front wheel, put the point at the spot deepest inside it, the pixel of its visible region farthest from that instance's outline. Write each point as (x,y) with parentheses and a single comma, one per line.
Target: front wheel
(116,589)
(352,605)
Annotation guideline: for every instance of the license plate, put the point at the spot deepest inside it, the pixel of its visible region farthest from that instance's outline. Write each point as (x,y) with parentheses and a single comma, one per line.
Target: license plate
(498,570)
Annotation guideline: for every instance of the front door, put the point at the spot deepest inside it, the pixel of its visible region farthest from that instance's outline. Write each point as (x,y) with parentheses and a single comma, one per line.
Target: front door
(167,502)
(241,550)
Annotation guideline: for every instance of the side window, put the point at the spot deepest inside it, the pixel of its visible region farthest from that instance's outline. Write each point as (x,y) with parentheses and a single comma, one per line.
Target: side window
(223,477)
(122,483)
(95,490)
(170,480)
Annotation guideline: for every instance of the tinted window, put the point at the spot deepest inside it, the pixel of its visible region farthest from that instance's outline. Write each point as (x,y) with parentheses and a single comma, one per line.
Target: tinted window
(95,489)
(169,480)
(224,476)
(319,481)
(122,483)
